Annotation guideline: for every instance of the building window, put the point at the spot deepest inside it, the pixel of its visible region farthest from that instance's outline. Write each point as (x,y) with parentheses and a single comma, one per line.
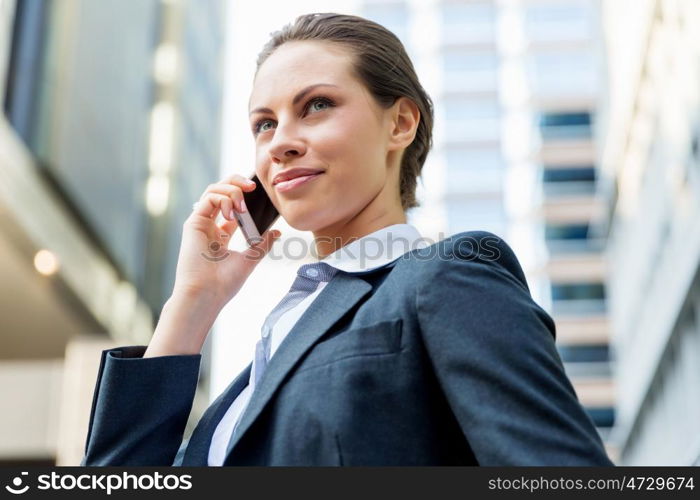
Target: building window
(556,22)
(566,231)
(692,166)
(394,16)
(569,181)
(571,238)
(578,291)
(584,353)
(567,174)
(468,21)
(471,170)
(474,158)
(602,417)
(578,299)
(592,370)
(26,69)
(563,73)
(469,119)
(469,61)
(470,70)
(476,213)
(565,125)
(565,119)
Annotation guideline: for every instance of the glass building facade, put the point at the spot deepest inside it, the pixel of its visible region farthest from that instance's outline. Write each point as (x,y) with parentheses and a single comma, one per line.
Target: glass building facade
(81,94)
(111,130)
(649,178)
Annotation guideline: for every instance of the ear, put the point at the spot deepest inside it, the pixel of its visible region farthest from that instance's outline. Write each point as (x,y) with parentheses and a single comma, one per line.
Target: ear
(404,120)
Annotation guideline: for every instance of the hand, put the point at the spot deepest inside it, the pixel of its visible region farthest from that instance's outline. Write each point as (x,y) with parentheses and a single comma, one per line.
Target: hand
(206,267)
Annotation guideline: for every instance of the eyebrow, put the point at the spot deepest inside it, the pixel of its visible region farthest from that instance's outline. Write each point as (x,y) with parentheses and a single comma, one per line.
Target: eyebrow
(297,97)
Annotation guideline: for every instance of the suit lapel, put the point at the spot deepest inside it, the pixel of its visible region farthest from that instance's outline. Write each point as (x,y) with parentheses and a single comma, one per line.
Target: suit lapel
(336,299)
(197,452)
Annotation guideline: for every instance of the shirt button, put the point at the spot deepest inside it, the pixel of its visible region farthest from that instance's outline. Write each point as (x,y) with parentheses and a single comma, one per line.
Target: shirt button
(312,272)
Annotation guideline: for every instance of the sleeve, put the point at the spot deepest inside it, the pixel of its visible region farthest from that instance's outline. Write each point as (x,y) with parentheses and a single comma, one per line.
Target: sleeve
(493,351)
(140,408)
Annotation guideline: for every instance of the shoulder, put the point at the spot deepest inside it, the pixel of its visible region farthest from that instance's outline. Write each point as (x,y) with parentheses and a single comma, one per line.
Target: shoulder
(476,274)
(480,252)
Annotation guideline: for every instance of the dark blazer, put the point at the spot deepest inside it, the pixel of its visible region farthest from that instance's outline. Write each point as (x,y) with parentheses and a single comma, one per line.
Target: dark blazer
(439,358)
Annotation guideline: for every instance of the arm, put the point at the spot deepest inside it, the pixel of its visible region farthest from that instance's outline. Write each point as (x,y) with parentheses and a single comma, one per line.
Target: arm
(143,395)
(492,348)
(140,407)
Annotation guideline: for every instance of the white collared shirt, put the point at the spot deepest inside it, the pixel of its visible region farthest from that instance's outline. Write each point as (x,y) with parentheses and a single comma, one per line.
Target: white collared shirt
(370,252)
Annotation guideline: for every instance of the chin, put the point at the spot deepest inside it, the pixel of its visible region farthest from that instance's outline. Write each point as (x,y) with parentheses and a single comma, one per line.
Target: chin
(306,220)
(301,220)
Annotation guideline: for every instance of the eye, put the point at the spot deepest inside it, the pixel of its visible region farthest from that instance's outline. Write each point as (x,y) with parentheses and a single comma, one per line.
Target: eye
(257,128)
(319,100)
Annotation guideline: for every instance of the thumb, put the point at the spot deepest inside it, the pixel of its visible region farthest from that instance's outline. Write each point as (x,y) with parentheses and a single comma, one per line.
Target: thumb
(255,253)
(229,226)
(225,231)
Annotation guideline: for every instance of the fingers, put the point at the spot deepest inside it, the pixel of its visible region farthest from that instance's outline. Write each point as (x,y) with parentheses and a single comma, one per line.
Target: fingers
(229,226)
(236,179)
(212,203)
(232,187)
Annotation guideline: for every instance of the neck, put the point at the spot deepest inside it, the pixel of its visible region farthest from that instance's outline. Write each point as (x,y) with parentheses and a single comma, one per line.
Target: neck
(339,234)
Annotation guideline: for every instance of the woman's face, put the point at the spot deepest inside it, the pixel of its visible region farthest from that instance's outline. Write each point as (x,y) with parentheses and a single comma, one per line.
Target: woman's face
(319,115)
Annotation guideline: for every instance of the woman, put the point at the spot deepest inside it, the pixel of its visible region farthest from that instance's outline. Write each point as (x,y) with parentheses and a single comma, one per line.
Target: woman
(438,357)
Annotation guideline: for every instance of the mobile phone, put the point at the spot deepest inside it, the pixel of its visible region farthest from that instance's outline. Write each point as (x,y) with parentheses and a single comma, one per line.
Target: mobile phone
(261,213)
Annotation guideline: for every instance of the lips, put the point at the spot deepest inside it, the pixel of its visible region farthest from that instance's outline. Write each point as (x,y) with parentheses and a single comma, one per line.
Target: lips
(293,173)
(296,182)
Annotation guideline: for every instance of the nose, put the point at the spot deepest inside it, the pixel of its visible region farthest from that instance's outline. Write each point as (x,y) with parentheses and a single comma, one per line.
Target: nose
(286,144)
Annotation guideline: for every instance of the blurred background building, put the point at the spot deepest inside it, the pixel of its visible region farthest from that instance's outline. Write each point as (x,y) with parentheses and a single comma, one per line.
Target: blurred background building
(571,128)
(110,130)
(649,169)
